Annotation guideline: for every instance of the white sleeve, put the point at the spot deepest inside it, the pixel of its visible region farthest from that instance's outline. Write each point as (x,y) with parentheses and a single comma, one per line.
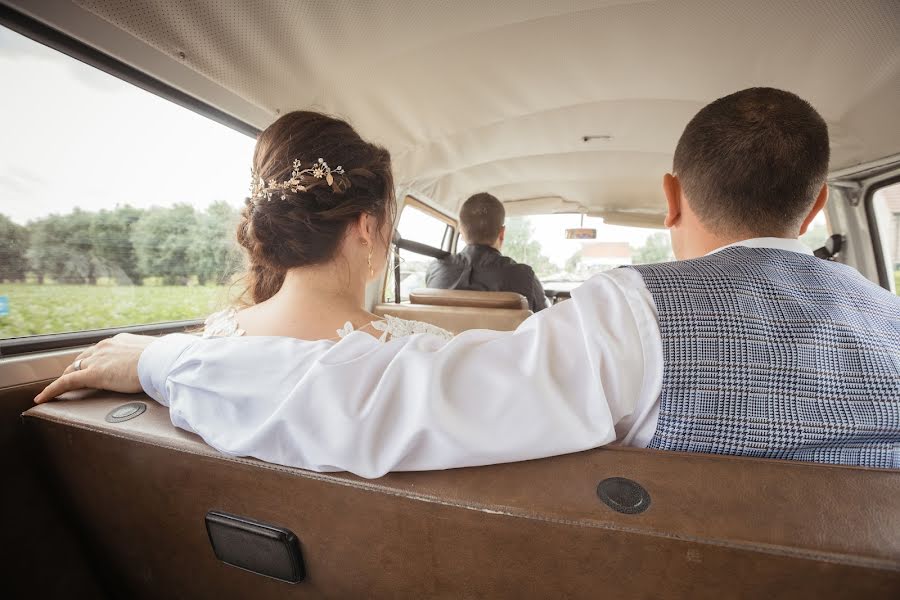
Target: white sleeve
(560,383)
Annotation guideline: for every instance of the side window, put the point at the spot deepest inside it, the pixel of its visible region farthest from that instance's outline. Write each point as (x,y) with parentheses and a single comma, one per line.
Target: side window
(117,207)
(417,224)
(886,208)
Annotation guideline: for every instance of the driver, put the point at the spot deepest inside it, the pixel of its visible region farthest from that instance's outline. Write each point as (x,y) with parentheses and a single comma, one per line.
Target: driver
(480,266)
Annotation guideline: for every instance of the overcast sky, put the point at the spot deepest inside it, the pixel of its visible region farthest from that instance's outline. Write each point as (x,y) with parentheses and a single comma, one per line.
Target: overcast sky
(73,136)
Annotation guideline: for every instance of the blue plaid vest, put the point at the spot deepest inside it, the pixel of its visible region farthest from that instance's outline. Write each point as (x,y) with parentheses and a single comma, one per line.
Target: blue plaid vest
(777,354)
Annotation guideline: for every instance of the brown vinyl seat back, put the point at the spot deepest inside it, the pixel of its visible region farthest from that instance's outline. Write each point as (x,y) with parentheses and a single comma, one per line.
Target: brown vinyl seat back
(457,319)
(472,299)
(713,526)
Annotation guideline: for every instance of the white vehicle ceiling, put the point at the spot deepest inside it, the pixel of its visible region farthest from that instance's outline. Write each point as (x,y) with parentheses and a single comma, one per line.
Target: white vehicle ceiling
(498,96)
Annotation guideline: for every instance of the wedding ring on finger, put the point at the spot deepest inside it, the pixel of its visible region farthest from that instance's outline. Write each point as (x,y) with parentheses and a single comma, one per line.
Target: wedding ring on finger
(76,366)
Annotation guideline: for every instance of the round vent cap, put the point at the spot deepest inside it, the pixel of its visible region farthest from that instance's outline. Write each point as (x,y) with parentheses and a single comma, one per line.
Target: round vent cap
(623,495)
(126,412)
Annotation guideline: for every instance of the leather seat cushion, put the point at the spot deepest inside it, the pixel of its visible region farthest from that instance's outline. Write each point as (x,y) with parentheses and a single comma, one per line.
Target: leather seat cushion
(474,299)
(457,319)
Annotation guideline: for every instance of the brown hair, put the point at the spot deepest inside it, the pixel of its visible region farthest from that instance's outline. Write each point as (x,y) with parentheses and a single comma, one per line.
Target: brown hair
(306,227)
(481,219)
(755,159)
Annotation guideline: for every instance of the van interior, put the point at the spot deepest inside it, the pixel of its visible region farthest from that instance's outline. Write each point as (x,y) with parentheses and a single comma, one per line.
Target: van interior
(569,112)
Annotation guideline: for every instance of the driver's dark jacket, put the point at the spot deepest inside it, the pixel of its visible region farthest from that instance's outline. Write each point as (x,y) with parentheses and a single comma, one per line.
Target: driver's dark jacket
(484,269)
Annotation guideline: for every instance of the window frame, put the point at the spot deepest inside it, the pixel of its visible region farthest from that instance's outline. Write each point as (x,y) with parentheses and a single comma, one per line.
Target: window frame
(448,241)
(56,40)
(60,341)
(884,277)
(451,223)
(73,48)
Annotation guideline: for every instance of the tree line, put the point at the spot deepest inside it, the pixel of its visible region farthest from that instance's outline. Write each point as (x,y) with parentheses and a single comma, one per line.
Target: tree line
(177,245)
(520,245)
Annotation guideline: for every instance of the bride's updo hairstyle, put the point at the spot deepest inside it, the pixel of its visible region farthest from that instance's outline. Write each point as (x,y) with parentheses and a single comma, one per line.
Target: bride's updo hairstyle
(304,226)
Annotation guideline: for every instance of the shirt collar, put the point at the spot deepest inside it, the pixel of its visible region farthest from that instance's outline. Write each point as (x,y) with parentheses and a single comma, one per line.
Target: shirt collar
(788,244)
(480,248)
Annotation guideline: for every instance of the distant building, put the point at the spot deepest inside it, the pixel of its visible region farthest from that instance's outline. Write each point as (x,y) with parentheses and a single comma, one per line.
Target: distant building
(605,255)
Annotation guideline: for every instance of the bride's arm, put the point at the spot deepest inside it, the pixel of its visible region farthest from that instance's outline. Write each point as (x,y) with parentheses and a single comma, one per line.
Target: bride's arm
(559,384)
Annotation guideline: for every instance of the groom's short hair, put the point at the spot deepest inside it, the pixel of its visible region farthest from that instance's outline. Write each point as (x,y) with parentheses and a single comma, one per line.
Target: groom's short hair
(753,161)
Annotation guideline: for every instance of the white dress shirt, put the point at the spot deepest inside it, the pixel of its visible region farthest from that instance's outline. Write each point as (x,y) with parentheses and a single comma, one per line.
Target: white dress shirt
(581,374)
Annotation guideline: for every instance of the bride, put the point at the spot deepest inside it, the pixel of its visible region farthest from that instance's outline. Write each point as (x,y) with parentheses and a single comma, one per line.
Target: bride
(316,231)
(315,235)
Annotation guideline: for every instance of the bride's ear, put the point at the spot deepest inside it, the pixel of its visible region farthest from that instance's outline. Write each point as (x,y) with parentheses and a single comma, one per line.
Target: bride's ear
(366,225)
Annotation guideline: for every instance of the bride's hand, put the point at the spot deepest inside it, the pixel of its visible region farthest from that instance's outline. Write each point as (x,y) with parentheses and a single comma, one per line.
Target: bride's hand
(108,365)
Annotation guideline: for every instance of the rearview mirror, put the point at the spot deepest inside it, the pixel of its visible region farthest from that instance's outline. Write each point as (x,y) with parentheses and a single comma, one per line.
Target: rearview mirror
(581,233)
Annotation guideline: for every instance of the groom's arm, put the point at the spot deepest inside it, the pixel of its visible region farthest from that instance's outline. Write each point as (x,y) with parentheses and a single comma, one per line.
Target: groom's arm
(560,383)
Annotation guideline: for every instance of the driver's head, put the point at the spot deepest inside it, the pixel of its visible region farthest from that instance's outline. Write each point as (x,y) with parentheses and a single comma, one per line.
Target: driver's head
(751,164)
(481,220)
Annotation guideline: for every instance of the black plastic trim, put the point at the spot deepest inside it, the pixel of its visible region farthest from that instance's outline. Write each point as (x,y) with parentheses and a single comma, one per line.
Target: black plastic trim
(420,248)
(875,233)
(396,274)
(59,341)
(255,546)
(43,34)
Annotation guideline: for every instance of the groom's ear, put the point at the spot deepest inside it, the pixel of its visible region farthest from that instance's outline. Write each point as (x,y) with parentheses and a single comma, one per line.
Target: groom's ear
(817,206)
(672,191)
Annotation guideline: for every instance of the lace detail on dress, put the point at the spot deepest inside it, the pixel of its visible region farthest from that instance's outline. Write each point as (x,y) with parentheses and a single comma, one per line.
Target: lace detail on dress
(222,324)
(225,324)
(346,330)
(395,327)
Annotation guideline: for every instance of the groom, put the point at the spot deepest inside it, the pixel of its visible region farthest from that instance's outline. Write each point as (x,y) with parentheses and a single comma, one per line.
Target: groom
(748,345)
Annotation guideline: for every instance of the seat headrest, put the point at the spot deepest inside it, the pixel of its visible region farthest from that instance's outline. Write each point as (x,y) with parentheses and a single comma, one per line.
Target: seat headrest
(437,297)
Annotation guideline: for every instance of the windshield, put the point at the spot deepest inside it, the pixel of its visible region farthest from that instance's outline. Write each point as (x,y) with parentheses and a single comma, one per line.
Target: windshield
(561,264)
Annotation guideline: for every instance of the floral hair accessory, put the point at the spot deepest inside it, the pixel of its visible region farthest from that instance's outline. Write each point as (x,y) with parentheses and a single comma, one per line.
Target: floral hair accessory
(302,180)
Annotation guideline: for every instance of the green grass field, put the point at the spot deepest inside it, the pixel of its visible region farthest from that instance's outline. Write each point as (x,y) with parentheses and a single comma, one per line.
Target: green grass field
(36,309)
